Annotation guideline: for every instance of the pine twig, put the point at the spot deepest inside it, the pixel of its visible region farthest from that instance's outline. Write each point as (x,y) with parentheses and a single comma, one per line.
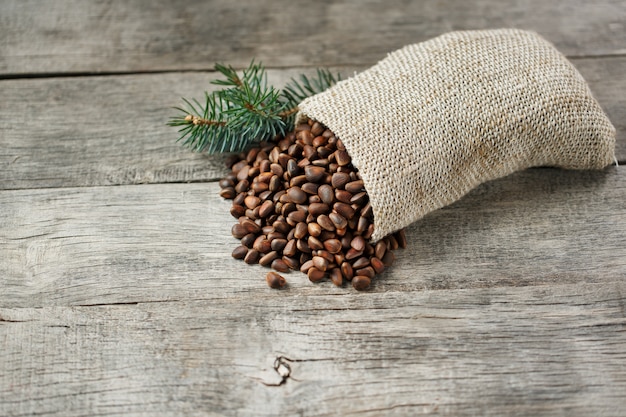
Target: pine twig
(246,111)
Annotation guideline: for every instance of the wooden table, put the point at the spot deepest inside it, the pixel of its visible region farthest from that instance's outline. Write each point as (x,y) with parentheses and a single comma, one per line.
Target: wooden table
(118,294)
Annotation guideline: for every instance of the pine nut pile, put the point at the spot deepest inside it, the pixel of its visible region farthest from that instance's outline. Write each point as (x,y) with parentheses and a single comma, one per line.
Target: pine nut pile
(301,205)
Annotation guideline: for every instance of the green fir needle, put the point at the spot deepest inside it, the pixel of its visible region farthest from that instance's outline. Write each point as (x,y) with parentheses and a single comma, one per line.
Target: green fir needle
(246,111)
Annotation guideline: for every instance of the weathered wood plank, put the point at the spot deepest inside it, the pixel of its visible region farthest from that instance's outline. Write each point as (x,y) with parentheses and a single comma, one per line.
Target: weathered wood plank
(82,131)
(74,36)
(125,300)
(111,130)
(548,350)
(83,246)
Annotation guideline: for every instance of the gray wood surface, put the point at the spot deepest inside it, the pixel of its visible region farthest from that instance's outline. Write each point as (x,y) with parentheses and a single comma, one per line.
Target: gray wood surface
(102,130)
(152,243)
(118,301)
(136,36)
(517,351)
(118,295)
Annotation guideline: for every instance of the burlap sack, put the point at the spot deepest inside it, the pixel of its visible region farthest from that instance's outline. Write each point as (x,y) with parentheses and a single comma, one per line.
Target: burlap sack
(435,119)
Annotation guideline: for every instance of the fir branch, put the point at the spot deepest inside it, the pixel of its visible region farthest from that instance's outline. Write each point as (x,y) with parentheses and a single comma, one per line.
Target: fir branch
(247,111)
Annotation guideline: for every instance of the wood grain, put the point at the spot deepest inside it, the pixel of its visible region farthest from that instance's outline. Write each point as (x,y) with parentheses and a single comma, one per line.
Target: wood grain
(543,350)
(83,131)
(74,36)
(84,246)
(118,294)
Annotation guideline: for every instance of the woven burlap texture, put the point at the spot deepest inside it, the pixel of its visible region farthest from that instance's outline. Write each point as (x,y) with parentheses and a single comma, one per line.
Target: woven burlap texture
(433,120)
